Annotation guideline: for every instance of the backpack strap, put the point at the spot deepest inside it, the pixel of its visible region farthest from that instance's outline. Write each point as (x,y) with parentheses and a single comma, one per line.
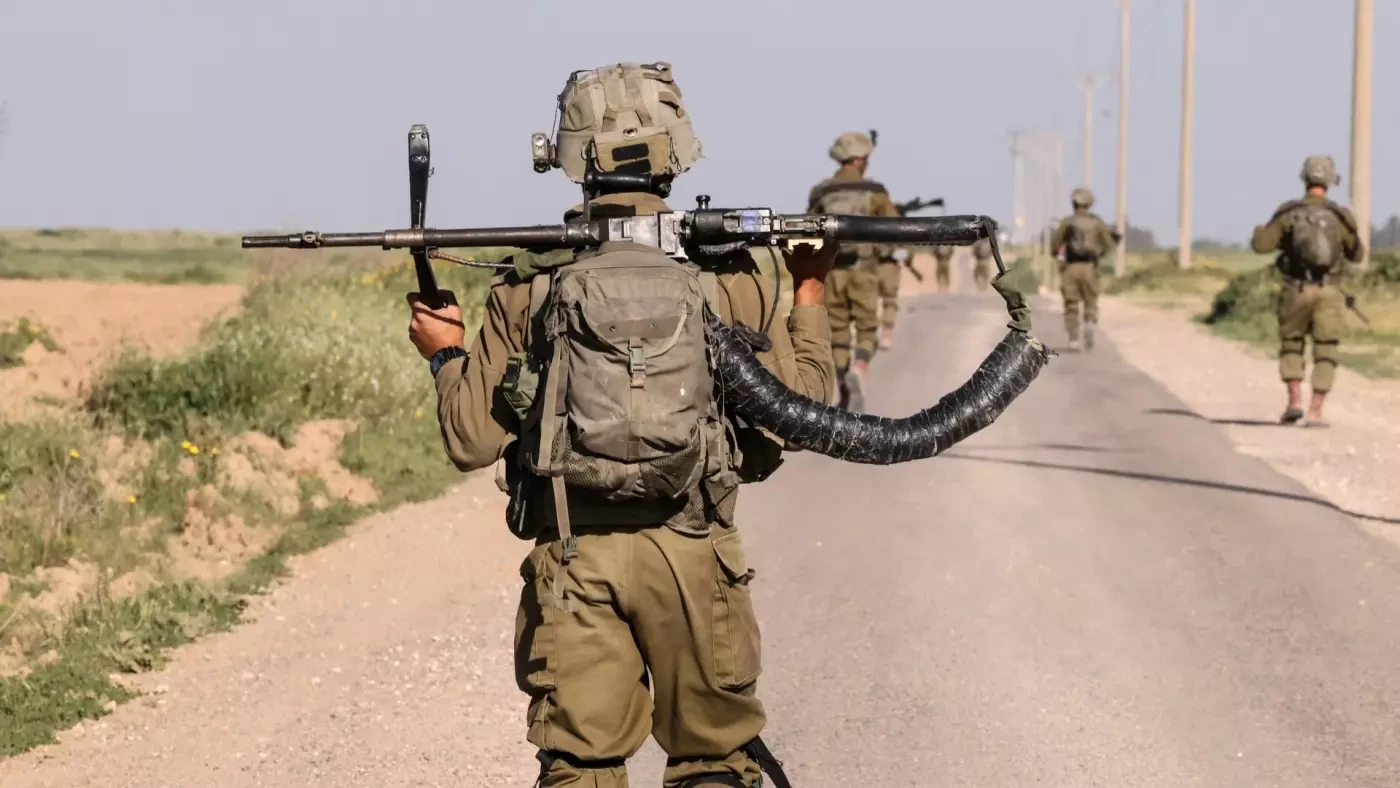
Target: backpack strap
(539,294)
(549,411)
(709,285)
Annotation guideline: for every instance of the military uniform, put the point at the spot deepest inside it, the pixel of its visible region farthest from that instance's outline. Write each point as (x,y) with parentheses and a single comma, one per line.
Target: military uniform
(982,264)
(943,267)
(1311,303)
(665,603)
(890,273)
(640,622)
(853,288)
(1084,237)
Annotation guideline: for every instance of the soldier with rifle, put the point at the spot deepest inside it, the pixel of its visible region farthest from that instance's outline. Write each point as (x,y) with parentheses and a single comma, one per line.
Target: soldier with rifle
(630,374)
(1315,238)
(857,285)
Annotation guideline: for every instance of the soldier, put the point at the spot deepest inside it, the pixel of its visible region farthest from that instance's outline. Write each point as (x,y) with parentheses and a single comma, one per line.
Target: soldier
(982,264)
(943,267)
(1314,238)
(1080,241)
(638,579)
(853,289)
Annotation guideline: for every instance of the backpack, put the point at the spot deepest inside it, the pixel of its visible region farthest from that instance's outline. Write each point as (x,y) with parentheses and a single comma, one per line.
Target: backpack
(1314,239)
(1082,239)
(616,392)
(848,198)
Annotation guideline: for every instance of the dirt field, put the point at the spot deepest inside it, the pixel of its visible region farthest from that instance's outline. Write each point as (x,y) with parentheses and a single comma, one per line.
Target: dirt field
(91,321)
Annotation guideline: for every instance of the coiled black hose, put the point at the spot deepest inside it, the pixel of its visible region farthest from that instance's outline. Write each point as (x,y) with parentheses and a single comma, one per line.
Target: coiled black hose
(759,396)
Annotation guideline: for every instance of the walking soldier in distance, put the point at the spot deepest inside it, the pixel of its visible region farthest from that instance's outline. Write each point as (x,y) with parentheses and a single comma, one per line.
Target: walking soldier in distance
(1315,238)
(1080,240)
(853,288)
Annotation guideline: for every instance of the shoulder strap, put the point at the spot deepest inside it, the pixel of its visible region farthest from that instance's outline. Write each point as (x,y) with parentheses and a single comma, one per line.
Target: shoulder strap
(539,294)
(709,285)
(1346,219)
(550,412)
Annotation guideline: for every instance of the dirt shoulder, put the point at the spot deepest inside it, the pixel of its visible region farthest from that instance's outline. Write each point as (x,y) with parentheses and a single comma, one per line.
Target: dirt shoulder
(1352,462)
(91,321)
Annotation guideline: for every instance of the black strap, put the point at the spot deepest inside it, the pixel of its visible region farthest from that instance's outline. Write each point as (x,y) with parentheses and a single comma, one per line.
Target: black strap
(547,759)
(709,780)
(827,188)
(771,766)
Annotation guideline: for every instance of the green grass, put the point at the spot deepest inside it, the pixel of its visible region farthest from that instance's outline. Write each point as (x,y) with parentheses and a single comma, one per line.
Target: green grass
(159,257)
(311,342)
(1245,310)
(1236,293)
(103,638)
(16,339)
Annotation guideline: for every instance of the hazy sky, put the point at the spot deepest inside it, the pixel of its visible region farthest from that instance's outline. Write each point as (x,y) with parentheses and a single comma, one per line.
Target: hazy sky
(263,113)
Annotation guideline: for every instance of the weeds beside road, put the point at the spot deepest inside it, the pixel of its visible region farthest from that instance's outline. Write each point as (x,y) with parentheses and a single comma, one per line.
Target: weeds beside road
(1236,298)
(141,518)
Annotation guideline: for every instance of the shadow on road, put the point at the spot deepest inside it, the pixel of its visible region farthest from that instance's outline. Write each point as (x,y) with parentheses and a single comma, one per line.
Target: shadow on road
(1177,480)
(1050,446)
(1234,422)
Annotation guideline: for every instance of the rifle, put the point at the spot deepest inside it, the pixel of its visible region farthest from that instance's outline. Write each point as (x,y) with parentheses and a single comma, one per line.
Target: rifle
(906,208)
(682,235)
(918,204)
(1351,304)
(707,237)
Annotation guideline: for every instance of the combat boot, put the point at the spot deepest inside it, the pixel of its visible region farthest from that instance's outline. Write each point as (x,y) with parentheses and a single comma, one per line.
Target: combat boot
(1074,346)
(887,338)
(1089,336)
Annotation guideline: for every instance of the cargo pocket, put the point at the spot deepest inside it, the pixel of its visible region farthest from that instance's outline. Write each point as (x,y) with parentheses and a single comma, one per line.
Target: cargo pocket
(737,644)
(535,635)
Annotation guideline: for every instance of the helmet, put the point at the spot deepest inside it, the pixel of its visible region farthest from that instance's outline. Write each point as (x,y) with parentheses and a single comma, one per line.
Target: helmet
(851,145)
(627,117)
(1081,197)
(1320,171)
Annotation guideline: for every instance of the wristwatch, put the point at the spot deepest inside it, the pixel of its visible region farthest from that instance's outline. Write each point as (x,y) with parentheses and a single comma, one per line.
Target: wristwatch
(445,355)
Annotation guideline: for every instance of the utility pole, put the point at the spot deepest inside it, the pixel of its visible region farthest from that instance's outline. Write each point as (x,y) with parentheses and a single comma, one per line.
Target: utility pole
(1018,204)
(1361,124)
(1120,262)
(1089,131)
(1188,90)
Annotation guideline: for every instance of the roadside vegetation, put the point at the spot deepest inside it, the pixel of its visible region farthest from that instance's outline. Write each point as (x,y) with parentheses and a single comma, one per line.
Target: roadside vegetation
(159,257)
(142,518)
(1234,294)
(17,338)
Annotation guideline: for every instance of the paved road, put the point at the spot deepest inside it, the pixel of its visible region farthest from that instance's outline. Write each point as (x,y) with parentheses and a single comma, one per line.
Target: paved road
(1091,592)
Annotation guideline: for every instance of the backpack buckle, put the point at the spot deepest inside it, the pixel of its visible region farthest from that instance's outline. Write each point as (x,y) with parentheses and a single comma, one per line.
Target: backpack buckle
(637,363)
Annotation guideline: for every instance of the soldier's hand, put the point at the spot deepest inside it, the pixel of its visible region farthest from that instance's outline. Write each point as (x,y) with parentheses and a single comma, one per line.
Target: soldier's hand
(431,330)
(1350,300)
(809,267)
(807,263)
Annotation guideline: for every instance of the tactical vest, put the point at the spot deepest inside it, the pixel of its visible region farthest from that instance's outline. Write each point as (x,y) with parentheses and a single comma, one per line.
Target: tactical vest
(849,198)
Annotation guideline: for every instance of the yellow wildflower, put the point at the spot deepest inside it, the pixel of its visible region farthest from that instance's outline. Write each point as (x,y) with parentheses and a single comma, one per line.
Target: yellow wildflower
(131,499)
(74,453)
(214,452)
(194,450)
